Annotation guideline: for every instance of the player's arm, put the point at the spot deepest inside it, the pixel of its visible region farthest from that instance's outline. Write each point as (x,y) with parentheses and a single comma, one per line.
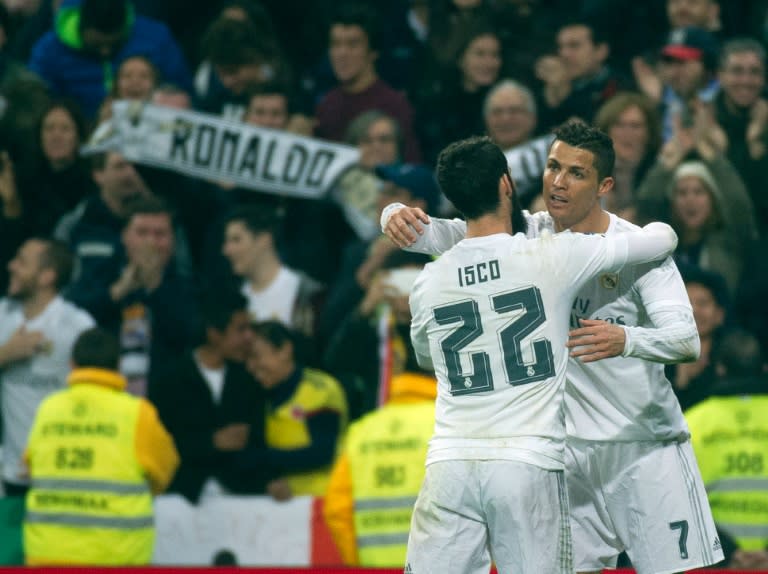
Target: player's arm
(673,338)
(653,242)
(421,314)
(413,230)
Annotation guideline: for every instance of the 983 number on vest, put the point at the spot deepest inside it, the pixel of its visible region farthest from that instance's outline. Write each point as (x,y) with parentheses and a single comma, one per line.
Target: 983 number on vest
(510,340)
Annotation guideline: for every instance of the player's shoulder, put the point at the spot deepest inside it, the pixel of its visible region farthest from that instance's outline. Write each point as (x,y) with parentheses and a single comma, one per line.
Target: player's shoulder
(620,225)
(538,223)
(428,275)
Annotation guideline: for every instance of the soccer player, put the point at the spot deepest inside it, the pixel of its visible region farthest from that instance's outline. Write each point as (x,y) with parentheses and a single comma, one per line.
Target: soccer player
(491,317)
(627,443)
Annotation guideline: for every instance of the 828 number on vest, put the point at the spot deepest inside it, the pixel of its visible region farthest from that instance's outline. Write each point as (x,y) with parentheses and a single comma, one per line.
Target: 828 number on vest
(74,458)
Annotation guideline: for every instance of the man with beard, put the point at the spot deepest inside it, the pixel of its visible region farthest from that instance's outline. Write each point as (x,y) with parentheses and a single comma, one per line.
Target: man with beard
(491,314)
(37,331)
(627,444)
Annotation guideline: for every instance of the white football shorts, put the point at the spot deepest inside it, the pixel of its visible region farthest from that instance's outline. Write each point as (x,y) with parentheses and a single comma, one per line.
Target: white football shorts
(643,497)
(472,512)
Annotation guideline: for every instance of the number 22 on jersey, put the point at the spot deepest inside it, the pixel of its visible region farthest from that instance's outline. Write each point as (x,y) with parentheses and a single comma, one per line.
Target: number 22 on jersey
(510,340)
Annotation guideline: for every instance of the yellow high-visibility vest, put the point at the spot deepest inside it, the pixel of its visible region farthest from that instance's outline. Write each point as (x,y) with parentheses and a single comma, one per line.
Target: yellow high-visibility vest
(89,502)
(730,438)
(387,470)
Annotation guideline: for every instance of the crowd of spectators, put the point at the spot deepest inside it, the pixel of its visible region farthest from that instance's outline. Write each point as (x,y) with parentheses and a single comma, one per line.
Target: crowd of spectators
(260,325)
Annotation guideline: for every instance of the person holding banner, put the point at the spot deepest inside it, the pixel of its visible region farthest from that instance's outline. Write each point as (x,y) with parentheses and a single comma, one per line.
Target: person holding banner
(243,55)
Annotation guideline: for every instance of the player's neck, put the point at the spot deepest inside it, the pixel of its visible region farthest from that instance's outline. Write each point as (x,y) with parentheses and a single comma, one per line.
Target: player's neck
(488,225)
(596,221)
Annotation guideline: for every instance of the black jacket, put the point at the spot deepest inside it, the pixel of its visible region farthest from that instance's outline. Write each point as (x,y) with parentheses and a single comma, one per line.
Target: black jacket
(187,409)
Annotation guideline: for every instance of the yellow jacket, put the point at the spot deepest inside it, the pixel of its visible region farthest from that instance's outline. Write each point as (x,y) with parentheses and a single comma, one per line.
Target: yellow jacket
(339,507)
(728,434)
(95,455)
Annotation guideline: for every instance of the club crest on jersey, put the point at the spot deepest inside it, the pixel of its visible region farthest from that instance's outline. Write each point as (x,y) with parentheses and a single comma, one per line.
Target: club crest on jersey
(609,280)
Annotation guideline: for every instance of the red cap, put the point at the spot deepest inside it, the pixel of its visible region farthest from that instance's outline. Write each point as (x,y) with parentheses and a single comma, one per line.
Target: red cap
(680,52)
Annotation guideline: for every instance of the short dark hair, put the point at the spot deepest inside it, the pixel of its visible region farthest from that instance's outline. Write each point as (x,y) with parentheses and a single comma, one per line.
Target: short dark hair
(256,218)
(156,75)
(56,255)
(580,134)
(255,12)
(597,31)
(739,46)
(275,333)
(713,281)
(107,16)
(235,43)
(97,348)
(151,205)
(739,353)
(274,88)
(468,172)
(217,306)
(362,15)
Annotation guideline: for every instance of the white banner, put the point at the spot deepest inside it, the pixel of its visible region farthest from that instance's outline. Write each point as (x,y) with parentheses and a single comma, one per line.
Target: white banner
(526,162)
(253,530)
(212,148)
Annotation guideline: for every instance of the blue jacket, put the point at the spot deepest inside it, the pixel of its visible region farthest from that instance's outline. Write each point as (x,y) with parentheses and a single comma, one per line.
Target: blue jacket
(58,57)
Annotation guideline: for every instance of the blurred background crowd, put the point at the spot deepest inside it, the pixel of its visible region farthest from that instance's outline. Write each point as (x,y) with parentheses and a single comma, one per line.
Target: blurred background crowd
(261,326)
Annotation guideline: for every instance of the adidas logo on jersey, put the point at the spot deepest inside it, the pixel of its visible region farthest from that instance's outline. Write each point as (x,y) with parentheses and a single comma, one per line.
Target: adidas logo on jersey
(408,569)
(717,546)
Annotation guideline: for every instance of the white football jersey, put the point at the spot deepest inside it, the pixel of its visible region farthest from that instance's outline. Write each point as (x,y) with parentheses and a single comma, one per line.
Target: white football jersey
(625,398)
(629,398)
(491,315)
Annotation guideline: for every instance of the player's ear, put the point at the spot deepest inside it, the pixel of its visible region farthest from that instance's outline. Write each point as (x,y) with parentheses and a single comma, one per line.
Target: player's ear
(605,186)
(507,185)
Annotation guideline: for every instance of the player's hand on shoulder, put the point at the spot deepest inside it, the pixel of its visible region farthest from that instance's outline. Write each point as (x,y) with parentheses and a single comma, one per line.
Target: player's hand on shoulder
(405,225)
(596,340)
